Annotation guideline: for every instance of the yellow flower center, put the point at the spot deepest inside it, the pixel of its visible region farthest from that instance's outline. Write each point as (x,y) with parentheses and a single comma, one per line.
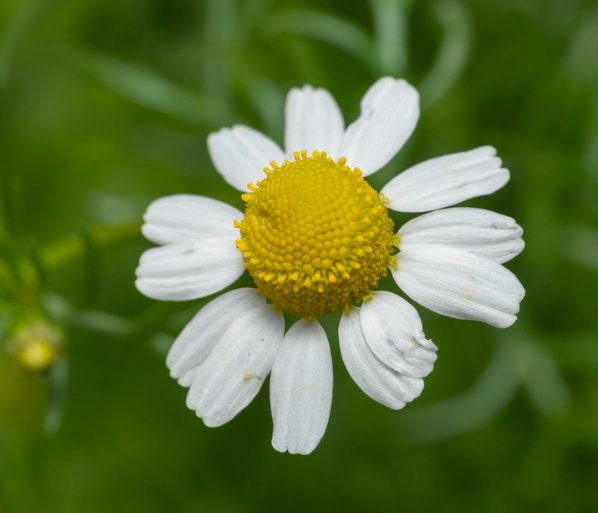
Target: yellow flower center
(315,237)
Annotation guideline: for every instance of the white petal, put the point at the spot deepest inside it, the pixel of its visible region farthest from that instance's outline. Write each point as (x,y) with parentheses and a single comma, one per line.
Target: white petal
(178,272)
(376,379)
(458,284)
(482,232)
(235,371)
(389,113)
(446,181)
(240,154)
(393,331)
(186,218)
(198,339)
(301,389)
(313,122)
(186,380)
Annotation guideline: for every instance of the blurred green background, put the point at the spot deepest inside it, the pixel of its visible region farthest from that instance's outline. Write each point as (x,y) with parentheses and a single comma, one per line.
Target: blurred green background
(106,105)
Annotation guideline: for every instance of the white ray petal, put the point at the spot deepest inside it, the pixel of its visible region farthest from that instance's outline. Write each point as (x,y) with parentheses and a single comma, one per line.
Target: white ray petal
(301,389)
(376,379)
(482,232)
(445,181)
(389,113)
(241,153)
(393,331)
(178,272)
(197,340)
(186,218)
(233,373)
(313,122)
(459,284)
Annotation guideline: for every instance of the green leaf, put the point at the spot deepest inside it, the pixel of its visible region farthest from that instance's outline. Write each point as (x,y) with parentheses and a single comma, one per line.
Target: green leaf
(17,31)
(581,246)
(474,407)
(149,89)
(453,53)
(325,27)
(391,28)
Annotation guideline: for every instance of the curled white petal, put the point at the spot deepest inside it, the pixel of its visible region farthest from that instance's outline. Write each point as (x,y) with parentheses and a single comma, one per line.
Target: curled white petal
(185,218)
(301,389)
(389,113)
(482,232)
(446,181)
(393,331)
(197,340)
(375,378)
(240,155)
(178,272)
(313,122)
(459,284)
(233,373)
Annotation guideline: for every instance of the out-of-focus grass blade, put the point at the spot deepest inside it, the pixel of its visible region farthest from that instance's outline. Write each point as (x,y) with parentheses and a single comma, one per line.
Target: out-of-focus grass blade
(155,317)
(3,220)
(590,154)
(268,99)
(17,30)
(64,251)
(545,384)
(475,407)
(518,360)
(4,245)
(102,322)
(453,53)
(581,62)
(59,378)
(576,351)
(149,89)
(325,27)
(582,246)
(390,26)
(220,42)
(161,343)
(581,65)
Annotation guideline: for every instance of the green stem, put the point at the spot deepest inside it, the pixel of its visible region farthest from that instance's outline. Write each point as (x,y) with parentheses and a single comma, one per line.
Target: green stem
(64,251)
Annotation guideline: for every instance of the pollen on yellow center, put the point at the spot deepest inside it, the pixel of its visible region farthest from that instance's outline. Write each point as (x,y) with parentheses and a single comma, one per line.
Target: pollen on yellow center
(316,237)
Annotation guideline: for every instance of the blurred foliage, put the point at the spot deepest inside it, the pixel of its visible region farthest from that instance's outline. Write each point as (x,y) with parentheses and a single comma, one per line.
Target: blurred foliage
(105,106)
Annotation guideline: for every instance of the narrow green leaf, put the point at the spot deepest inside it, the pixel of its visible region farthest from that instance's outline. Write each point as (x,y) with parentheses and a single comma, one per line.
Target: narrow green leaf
(391,29)
(17,30)
(64,251)
(453,53)
(474,407)
(325,27)
(59,379)
(581,246)
(267,97)
(149,89)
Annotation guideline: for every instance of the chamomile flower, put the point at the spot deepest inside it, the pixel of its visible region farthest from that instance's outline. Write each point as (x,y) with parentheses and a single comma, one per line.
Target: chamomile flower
(316,238)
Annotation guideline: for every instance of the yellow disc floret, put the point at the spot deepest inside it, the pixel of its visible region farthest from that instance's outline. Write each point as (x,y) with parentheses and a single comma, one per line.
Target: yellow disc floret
(315,237)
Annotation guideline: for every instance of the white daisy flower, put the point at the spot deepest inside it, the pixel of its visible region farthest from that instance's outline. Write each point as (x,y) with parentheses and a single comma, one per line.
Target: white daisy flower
(316,238)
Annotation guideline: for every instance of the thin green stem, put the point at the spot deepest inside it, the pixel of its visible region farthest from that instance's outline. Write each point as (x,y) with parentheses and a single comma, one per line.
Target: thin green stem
(62,252)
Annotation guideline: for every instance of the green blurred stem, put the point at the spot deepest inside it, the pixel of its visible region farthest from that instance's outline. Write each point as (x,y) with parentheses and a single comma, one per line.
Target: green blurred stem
(64,251)
(391,28)
(148,88)
(59,378)
(453,53)
(18,31)
(324,27)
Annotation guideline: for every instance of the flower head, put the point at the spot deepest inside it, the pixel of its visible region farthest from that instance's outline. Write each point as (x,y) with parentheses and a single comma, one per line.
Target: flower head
(316,238)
